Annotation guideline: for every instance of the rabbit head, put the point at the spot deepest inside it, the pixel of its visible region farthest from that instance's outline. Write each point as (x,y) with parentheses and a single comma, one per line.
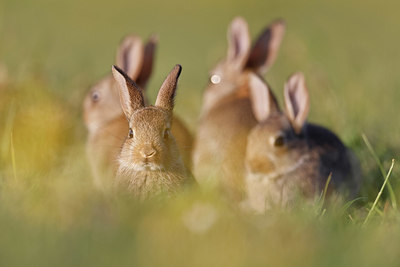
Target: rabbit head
(279,162)
(150,148)
(277,142)
(242,58)
(101,104)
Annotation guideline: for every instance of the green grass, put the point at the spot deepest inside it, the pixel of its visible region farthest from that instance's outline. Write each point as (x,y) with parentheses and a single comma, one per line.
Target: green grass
(50,214)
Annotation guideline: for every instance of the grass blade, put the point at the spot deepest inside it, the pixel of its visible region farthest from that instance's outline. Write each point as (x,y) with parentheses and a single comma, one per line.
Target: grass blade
(380,193)
(14,165)
(321,200)
(375,156)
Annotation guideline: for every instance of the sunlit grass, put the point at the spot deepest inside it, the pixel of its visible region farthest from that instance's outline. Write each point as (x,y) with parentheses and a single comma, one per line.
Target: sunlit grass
(55,206)
(385,176)
(50,213)
(380,193)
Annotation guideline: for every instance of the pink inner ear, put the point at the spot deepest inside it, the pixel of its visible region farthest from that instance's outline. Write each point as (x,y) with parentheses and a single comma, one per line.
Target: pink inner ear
(297,100)
(125,56)
(236,44)
(239,42)
(262,99)
(294,96)
(130,56)
(148,59)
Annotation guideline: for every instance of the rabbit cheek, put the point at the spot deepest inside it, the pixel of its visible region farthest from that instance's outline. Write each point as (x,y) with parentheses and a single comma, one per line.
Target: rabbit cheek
(260,165)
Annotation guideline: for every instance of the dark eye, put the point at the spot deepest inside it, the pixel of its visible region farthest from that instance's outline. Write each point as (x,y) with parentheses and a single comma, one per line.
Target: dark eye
(130,135)
(95,96)
(166,133)
(279,141)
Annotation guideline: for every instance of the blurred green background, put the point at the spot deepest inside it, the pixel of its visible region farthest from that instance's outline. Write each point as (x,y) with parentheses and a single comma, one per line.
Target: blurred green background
(52,51)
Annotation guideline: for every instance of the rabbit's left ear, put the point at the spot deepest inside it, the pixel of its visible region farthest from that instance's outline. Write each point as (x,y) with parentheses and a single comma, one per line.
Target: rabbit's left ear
(130,56)
(297,101)
(148,61)
(238,43)
(263,101)
(166,94)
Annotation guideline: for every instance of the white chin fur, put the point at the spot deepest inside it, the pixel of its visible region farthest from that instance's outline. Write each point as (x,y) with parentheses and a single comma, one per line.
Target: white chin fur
(141,166)
(92,127)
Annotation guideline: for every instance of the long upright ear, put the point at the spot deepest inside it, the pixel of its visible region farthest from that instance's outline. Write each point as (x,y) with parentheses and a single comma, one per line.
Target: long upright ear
(166,95)
(130,56)
(238,43)
(297,100)
(266,47)
(263,101)
(148,61)
(130,95)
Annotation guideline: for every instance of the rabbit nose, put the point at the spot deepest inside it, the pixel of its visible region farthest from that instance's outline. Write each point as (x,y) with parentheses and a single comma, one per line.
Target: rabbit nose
(148,152)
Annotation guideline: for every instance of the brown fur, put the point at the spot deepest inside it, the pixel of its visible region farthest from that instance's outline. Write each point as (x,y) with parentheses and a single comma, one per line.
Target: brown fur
(105,120)
(150,162)
(226,116)
(302,162)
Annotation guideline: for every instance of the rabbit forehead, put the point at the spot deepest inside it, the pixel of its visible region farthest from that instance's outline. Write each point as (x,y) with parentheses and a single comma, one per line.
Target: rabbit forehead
(107,93)
(230,82)
(275,124)
(226,71)
(149,118)
(106,108)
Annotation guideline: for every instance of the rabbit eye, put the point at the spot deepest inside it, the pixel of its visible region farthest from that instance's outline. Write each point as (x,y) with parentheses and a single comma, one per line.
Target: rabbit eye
(166,133)
(279,141)
(130,135)
(95,96)
(215,79)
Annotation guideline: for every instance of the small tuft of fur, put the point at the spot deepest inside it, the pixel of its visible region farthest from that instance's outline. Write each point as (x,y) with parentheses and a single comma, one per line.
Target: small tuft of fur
(146,183)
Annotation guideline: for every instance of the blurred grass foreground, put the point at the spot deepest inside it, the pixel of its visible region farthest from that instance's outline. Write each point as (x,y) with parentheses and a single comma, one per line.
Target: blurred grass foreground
(50,214)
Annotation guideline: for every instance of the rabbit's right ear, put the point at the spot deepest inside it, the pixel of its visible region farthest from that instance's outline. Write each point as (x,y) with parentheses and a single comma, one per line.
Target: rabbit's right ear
(130,56)
(166,95)
(148,61)
(238,43)
(130,94)
(263,101)
(265,49)
(297,100)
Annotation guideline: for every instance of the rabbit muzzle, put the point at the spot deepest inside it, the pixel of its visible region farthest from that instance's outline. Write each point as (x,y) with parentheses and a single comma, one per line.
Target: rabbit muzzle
(148,153)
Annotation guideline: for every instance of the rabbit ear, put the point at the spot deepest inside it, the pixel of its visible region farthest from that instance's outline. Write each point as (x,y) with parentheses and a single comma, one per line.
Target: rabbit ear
(263,101)
(238,43)
(130,56)
(148,60)
(130,94)
(166,95)
(297,100)
(265,49)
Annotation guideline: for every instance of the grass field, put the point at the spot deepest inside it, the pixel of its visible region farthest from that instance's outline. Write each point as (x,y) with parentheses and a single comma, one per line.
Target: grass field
(52,51)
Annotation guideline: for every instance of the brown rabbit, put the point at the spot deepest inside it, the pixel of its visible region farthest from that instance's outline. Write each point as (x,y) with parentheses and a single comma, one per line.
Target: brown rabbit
(105,119)
(226,116)
(149,162)
(286,155)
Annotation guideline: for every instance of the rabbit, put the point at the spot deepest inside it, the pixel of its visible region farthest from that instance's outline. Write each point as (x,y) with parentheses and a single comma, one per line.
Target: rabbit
(226,116)
(149,161)
(105,120)
(103,115)
(287,156)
